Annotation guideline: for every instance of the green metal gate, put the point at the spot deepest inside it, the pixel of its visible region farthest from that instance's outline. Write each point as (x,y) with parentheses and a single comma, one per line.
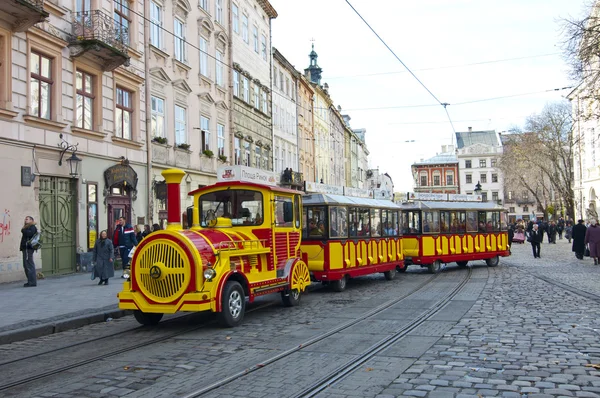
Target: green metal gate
(57,222)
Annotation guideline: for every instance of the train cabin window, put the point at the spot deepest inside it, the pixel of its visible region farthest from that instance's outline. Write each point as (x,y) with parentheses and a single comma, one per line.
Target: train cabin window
(284,214)
(359,222)
(376,223)
(493,221)
(482,221)
(297,208)
(472,221)
(243,207)
(431,222)
(461,222)
(411,223)
(315,221)
(503,221)
(395,222)
(390,222)
(338,222)
(444,222)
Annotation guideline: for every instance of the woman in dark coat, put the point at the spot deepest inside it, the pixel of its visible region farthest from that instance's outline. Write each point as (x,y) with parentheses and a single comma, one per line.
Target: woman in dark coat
(28,231)
(579,231)
(104,256)
(592,239)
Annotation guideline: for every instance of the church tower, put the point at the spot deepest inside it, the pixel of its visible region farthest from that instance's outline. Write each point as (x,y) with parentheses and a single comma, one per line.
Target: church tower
(313,72)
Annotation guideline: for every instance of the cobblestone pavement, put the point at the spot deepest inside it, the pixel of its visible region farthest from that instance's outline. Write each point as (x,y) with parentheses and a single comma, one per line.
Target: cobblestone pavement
(507,334)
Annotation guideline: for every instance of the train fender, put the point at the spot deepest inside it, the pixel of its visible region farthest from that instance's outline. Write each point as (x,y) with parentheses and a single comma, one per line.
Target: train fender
(297,274)
(215,305)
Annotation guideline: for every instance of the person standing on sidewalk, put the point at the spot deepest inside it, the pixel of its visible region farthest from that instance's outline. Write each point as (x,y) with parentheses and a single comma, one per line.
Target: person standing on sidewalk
(579,231)
(592,238)
(104,255)
(27,232)
(536,237)
(551,229)
(124,239)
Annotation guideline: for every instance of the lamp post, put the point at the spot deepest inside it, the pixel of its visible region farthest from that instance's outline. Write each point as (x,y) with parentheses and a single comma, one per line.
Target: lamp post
(477,189)
(73,160)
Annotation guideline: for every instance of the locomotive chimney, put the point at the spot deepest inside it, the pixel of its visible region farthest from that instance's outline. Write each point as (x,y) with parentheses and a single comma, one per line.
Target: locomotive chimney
(173,179)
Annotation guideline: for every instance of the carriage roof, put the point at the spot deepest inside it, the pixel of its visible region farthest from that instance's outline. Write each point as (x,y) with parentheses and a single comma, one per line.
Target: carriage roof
(341,200)
(242,184)
(431,205)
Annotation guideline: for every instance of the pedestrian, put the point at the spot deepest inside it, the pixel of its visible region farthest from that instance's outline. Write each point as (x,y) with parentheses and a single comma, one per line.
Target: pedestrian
(568,231)
(511,235)
(551,232)
(592,239)
(579,232)
(560,227)
(27,232)
(124,238)
(103,258)
(286,175)
(156,227)
(535,238)
(138,233)
(146,231)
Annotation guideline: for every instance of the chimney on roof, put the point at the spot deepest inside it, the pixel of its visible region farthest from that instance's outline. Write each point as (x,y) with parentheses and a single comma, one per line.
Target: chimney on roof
(470,129)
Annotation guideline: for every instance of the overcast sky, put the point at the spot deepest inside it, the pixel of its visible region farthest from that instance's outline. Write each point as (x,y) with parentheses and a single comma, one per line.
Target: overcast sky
(448,44)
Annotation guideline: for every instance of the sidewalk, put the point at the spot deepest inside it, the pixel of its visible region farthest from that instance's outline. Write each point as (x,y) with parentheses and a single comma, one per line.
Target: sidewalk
(58,303)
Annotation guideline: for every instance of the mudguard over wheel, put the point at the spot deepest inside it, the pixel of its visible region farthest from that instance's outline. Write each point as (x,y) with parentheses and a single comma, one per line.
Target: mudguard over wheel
(299,279)
(340,284)
(492,262)
(147,318)
(233,305)
(435,267)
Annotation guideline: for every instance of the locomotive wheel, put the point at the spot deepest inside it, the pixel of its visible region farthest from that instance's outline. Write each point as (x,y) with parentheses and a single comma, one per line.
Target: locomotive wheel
(389,275)
(147,318)
(492,262)
(233,305)
(340,284)
(402,269)
(435,267)
(291,298)
(462,263)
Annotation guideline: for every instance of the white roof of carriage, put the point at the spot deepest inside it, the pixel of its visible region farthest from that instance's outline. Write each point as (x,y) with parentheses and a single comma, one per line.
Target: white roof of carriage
(441,205)
(341,200)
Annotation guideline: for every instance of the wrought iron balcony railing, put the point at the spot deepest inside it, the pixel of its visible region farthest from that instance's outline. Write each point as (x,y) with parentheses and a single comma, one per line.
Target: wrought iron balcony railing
(96,25)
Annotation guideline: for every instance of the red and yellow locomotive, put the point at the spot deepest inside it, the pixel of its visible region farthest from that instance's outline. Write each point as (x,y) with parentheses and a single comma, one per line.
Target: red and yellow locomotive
(244,242)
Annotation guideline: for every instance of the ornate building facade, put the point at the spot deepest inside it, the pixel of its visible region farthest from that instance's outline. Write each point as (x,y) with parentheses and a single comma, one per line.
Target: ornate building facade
(437,174)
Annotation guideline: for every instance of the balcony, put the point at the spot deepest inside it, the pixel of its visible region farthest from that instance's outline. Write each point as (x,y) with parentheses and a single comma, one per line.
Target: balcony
(97,36)
(294,181)
(23,14)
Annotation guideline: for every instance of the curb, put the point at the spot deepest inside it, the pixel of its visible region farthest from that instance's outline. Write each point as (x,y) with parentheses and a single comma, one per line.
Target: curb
(34,331)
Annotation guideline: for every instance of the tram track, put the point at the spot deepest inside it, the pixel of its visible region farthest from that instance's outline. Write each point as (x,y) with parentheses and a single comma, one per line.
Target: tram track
(316,339)
(563,286)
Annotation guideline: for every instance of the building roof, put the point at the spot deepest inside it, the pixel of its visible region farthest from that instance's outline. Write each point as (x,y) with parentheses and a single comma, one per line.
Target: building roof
(468,138)
(440,158)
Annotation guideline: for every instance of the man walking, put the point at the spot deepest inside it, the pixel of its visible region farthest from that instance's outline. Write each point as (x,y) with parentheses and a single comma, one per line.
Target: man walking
(578,235)
(124,238)
(536,237)
(592,239)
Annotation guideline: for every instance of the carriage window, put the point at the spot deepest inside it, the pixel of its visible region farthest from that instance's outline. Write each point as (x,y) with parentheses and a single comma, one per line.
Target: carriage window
(503,223)
(482,221)
(376,222)
(471,221)
(359,222)
(461,221)
(243,207)
(493,221)
(297,210)
(444,221)
(281,204)
(390,222)
(315,221)
(338,218)
(431,222)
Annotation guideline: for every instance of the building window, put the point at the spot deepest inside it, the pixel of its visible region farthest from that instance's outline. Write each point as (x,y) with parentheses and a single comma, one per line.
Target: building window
(245,28)
(423,180)
(257,153)
(236,18)
(122,20)
(263,45)
(493,162)
(436,180)
(275,115)
(219,11)
(484,196)
(203,56)
(156,25)
(246,153)
(275,76)
(92,214)
(482,163)
(266,159)
(525,208)
(180,132)
(180,54)
(246,89)
(204,4)
(511,209)
(483,177)
(205,128)
(85,100)
(236,83)
(237,150)
(221,139)
(158,116)
(449,179)
(467,164)
(265,105)
(41,86)
(469,178)
(495,196)
(256,96)
(219,68)
(494,177)
(510,195)
(124,116)
(255,38)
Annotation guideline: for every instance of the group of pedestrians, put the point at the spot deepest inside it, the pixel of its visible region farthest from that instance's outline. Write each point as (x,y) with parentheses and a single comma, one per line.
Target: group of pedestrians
(586,240)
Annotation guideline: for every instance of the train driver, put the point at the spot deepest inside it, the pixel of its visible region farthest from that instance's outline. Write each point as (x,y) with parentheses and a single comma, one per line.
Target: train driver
(313,230)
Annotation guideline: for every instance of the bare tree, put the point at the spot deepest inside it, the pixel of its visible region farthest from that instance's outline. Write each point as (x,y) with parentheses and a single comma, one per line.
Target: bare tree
(541,160)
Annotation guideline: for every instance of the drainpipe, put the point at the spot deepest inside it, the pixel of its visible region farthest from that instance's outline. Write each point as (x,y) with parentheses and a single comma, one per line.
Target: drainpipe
(148,113)
(230,83)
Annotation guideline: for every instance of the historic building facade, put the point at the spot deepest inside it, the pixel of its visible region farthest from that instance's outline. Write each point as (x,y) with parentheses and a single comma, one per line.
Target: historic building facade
(338,157)
(478,154)
(189,93)
(252,68)
(437,174)
(306,137)
(73,144)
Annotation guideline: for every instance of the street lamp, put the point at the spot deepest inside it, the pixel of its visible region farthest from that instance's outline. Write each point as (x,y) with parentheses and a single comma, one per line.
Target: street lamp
(73,160)
(477,189)
(74,165)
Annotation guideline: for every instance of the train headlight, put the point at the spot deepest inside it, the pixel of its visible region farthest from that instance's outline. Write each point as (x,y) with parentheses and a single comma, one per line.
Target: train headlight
(209,274)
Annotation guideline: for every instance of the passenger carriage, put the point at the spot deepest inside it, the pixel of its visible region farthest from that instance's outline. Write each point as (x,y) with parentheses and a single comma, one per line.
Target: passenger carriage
(244,242)
(346,237)
(437,233)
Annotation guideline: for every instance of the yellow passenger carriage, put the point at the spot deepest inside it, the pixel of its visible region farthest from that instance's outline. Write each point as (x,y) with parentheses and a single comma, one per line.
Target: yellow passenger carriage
(244,242)
(437,233)
(346,237)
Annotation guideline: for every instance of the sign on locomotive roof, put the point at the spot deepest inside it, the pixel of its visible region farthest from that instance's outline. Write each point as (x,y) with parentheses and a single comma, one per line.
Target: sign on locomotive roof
(452,197)
(246,174)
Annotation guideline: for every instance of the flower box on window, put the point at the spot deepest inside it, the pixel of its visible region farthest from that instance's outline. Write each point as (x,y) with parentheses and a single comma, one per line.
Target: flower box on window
(208,153)
(183,146)
(223,158)
(160,140)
